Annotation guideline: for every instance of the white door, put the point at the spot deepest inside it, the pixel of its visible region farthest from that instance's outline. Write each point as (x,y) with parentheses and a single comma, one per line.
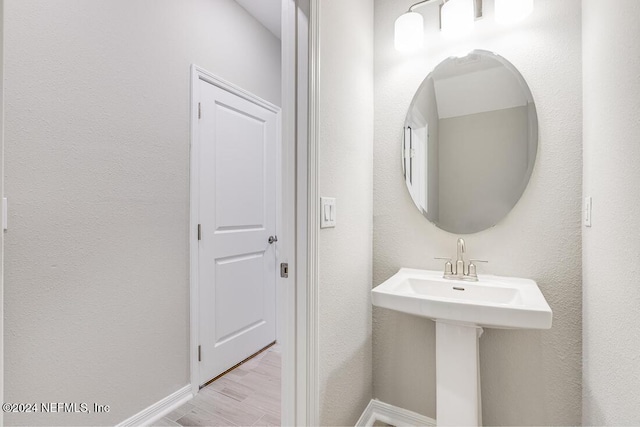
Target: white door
(237,212)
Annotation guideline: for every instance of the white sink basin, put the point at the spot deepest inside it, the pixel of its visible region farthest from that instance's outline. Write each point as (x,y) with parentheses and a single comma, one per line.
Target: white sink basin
(492,301)
(461,309)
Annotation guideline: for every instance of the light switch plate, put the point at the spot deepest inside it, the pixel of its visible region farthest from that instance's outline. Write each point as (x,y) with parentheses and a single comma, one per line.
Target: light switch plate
(327,212)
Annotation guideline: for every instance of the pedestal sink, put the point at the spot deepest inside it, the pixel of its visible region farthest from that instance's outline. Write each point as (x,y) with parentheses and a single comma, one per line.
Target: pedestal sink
(461,310)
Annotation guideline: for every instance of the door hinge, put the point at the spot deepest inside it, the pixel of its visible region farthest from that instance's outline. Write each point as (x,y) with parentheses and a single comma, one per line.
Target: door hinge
(199,110)
(199,353)
(199,231)
(284,270)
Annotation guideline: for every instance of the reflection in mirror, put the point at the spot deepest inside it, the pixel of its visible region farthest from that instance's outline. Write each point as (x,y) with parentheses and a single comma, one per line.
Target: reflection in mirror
(470,142)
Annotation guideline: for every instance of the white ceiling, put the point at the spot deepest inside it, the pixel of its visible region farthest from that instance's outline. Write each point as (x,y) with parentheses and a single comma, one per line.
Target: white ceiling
(268,12)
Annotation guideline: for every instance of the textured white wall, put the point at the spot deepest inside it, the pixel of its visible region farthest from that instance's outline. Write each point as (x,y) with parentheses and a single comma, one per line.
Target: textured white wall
(611,247)
(97,171)
(346,151)
(528,377)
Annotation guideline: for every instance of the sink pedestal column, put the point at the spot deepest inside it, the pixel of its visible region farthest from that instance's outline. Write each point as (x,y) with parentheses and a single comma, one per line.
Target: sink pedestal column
(457,375)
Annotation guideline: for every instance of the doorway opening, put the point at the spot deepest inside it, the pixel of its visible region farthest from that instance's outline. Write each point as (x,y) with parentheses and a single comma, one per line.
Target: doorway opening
(296,318)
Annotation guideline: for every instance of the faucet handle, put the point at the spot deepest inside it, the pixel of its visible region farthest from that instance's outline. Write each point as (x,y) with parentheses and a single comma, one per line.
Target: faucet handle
(448,266)
(472,267)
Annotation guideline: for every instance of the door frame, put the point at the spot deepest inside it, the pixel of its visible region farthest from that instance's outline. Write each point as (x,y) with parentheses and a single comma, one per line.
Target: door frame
(300,100)
(299,222)
(307,36)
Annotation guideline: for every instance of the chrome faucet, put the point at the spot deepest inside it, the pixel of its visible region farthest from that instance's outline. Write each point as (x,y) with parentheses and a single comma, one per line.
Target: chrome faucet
(460,267)
(461,271)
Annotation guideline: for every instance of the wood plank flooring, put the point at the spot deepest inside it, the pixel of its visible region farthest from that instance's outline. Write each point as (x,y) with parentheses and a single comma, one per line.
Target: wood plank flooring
(247,396)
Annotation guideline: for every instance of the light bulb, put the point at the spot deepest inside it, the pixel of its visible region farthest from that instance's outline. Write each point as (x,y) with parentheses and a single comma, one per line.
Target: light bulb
(409,32)
(512,11)
(457,17)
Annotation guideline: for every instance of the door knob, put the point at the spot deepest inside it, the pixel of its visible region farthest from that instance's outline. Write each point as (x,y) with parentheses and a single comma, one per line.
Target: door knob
(273,239)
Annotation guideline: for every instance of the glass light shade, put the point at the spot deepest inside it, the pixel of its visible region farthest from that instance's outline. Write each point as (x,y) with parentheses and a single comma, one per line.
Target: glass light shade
(457,17)
(512,11)
(409,32)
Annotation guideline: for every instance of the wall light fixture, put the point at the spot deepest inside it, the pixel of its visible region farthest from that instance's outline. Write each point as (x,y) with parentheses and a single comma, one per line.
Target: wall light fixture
(409,32)
(456,18)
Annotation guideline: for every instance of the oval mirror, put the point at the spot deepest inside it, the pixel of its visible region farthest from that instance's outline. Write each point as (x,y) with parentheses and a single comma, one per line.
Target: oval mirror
(470,142)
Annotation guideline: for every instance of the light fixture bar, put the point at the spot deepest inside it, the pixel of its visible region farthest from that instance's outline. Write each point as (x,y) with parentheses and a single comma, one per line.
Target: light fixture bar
(409,27)
(478,6)
(421,3)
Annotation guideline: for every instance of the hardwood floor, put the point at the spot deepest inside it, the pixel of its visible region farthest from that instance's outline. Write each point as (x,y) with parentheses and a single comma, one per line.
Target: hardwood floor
(247,396)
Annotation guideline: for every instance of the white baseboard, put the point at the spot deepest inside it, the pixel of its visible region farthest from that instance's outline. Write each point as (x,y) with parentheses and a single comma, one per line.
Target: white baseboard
(159,409)
(380,411)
